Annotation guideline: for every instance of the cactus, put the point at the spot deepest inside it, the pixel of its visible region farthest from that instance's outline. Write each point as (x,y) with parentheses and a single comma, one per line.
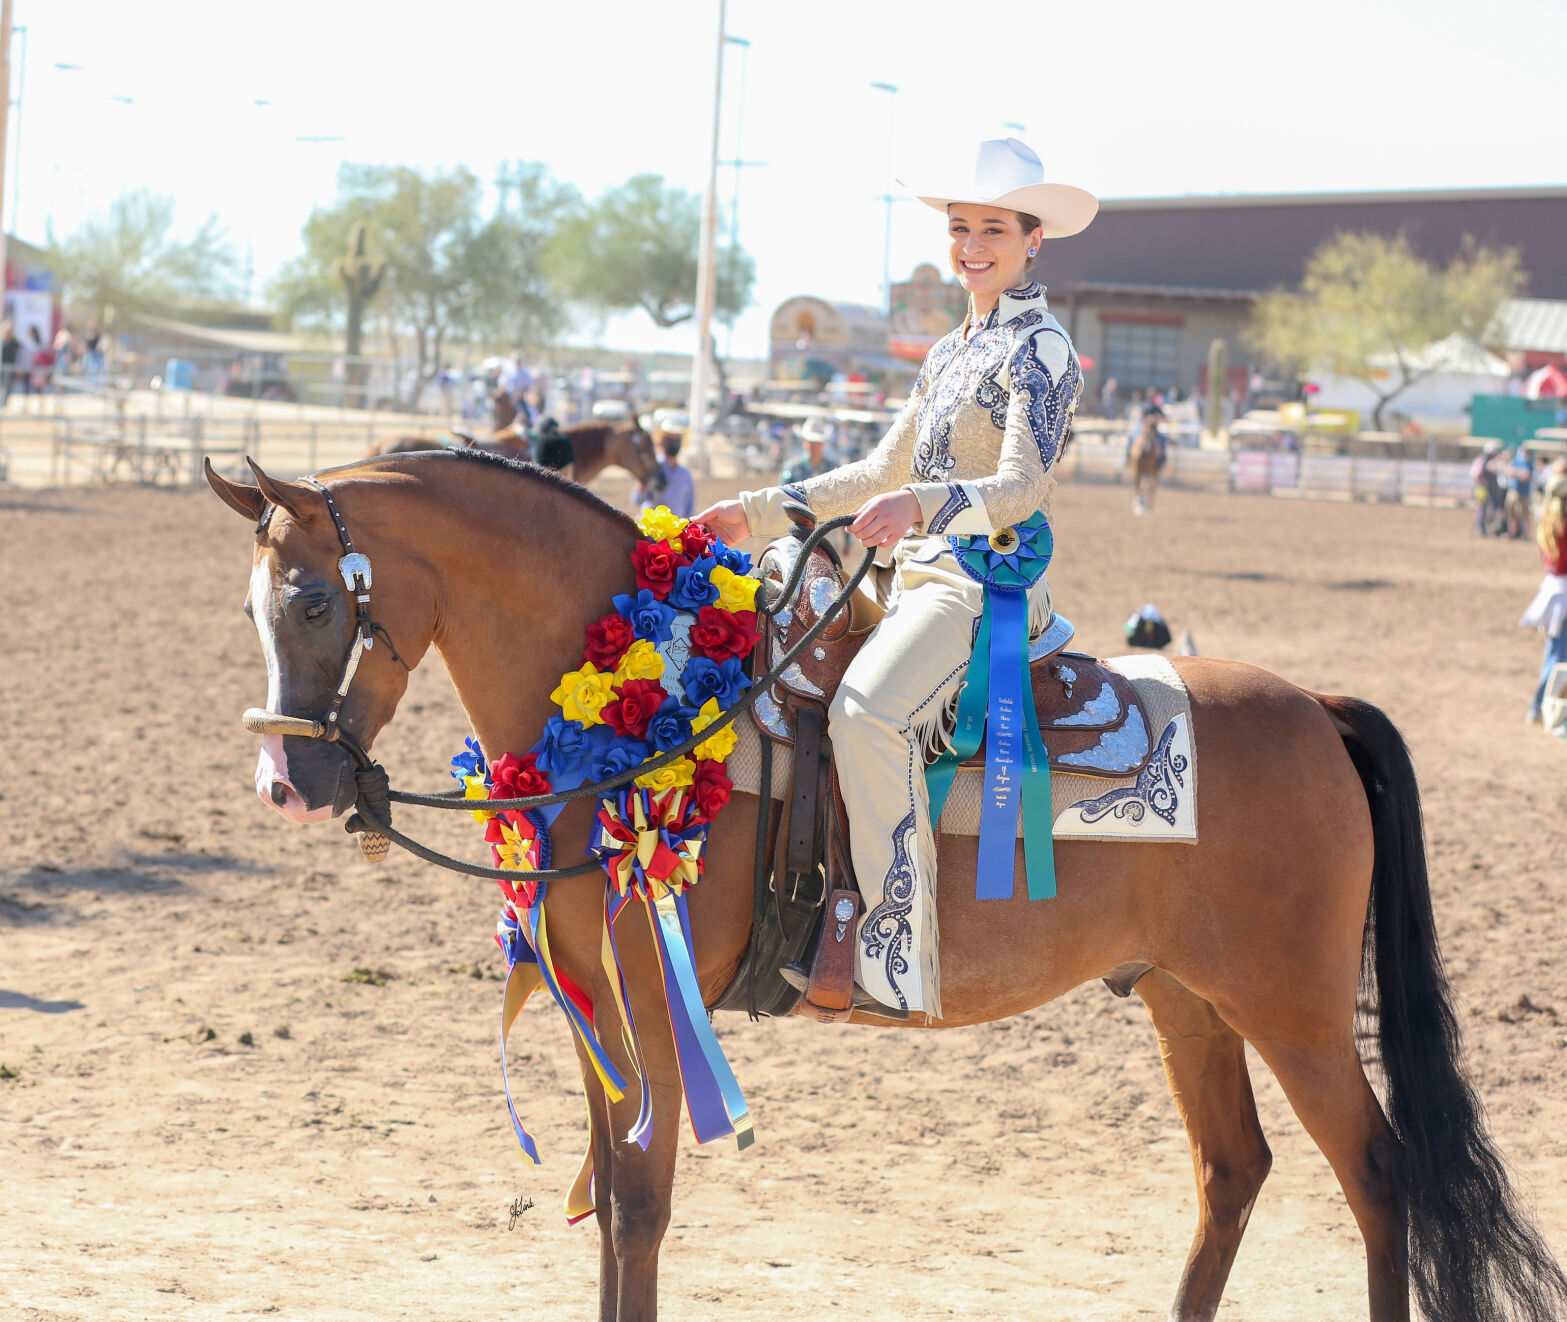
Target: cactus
(361,274)
(1217,363)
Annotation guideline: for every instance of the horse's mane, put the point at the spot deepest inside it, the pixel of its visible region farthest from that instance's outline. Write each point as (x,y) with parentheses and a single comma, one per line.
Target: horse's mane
(549,477)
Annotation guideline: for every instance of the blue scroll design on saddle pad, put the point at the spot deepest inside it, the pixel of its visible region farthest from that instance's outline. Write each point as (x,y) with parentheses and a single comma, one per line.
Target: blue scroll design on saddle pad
(999,696)
(1156,789)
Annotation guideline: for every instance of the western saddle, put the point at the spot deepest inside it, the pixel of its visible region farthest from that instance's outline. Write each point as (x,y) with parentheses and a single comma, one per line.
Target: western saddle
(1090,717)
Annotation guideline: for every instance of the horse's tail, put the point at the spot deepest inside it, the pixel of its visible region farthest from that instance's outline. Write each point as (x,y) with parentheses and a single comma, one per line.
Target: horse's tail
(1473,1254)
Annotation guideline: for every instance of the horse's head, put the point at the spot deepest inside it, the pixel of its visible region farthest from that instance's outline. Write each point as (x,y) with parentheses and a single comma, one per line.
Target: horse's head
(306,617)
(641,457)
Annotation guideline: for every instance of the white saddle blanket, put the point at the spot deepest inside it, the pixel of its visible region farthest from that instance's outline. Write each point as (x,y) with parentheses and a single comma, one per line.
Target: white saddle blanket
(1160,803)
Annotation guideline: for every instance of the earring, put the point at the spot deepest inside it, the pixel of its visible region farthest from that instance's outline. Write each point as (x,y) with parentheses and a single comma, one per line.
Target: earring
(1032,251)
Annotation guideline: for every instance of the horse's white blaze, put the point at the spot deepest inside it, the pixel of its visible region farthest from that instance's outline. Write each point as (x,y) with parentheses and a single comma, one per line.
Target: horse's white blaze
(272,765)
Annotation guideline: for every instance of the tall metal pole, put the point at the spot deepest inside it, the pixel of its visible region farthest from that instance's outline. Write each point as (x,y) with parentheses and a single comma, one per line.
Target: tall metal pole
(886,250)
(707,265)
(5,115)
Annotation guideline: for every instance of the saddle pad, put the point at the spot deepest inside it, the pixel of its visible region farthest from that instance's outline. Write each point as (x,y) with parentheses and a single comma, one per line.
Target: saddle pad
(1158,804)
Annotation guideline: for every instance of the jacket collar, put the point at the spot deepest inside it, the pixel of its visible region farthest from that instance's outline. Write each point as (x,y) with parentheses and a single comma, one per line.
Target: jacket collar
(1024,298)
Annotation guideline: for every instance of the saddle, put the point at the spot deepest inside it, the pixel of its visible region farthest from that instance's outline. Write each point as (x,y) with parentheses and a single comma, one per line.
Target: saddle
(1090,717)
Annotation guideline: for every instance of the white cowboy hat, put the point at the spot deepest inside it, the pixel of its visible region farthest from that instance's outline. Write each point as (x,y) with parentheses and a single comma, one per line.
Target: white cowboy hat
(1008,173)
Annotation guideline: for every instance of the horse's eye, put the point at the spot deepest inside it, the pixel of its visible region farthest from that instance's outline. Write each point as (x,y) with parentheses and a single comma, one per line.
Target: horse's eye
(315,610)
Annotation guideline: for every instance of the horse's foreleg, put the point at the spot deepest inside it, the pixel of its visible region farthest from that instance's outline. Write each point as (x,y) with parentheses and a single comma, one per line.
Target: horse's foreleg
(1205,1063)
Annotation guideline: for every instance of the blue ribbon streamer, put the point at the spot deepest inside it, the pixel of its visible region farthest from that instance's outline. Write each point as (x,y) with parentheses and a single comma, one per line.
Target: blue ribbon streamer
(997,705)
(579,1025)
(642,1131)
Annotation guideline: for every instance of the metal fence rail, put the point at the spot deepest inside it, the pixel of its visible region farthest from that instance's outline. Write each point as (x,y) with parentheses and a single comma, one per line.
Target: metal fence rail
(143,449)
(1281,473)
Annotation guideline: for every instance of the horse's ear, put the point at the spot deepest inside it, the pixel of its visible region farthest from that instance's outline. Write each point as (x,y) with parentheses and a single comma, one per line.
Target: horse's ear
(237,496)
(288,495)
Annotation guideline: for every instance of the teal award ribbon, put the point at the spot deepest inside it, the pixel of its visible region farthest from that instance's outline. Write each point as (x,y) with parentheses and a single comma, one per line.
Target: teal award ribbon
(998,698)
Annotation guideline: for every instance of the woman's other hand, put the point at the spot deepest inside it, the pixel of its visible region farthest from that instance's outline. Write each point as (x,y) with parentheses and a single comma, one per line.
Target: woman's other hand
(883,520)
(727,521)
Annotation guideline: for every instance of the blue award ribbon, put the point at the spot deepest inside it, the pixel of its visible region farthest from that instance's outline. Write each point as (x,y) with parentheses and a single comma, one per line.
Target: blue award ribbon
(998,704)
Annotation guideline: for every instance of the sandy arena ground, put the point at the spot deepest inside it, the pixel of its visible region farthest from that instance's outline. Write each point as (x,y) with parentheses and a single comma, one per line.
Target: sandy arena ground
(202,1114)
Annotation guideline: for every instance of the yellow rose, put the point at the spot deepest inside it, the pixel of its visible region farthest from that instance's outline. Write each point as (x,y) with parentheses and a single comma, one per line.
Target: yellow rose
(661,525)
(736,592)
(676,775)
(583,693)
(722,744)
(473,787)
(641,661)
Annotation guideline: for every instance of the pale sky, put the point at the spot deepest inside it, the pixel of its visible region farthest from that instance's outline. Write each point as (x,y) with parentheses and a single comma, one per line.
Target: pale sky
(1125,98)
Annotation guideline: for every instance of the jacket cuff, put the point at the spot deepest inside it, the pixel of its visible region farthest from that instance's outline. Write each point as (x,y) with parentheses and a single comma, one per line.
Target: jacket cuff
(951,508)
(764,510)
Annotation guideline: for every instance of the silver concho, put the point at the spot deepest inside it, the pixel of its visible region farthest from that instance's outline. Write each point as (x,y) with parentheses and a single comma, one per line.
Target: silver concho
(354,566)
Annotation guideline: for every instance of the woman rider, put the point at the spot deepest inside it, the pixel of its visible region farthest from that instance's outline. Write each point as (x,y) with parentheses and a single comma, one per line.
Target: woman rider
(971,452)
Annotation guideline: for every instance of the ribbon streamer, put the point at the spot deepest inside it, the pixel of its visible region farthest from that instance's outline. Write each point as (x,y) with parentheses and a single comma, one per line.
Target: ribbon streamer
(997,706)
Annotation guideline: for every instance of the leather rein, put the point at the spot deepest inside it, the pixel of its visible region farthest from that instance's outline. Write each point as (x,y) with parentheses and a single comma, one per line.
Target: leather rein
(372,808)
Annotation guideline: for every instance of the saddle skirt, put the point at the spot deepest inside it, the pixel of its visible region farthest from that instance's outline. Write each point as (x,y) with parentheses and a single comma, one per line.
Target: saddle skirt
(1091,718)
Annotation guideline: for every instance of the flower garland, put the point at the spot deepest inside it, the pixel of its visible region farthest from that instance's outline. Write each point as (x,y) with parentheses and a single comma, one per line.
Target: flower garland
(657,670)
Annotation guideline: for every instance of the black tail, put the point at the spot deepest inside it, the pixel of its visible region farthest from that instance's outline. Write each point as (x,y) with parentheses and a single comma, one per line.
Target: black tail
(1473,1254)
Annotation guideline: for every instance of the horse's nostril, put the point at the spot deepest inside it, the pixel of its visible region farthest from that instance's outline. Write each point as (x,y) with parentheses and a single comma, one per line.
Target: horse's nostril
(279,793)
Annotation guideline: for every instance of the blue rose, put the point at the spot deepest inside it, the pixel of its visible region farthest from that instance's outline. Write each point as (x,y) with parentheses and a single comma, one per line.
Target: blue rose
(650,618)
(564,748)
(617,756)
(736,561)
(470,762)
(704,678)
(671,726)
(693,585)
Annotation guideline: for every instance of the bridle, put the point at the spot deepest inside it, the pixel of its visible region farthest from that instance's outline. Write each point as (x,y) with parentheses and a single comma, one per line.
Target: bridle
(653,476)
(372,818)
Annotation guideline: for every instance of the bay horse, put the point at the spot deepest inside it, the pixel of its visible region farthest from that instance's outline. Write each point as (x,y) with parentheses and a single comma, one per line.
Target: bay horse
(595,446)
(1306,889)
(1145,459)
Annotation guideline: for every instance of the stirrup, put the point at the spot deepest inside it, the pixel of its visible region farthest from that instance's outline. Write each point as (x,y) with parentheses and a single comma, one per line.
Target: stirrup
(799,977)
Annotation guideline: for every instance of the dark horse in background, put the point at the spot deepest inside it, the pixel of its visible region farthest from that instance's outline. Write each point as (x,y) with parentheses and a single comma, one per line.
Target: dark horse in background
(1305,894)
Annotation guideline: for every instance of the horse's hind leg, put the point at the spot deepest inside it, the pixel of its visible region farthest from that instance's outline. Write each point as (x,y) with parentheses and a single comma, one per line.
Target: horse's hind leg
(1205,1063)
(1327,1086)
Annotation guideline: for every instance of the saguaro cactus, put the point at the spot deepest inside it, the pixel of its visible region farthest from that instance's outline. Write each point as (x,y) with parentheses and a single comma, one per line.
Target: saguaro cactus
(361,274)
(1218,360)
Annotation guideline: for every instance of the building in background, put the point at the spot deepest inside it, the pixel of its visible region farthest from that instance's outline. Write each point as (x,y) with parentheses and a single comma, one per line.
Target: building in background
(1152,282)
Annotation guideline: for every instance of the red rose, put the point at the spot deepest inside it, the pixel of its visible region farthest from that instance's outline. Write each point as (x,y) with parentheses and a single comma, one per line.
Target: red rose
(710,790)
(609,639)
(719,634)
(513,777)
(636,703)
(696,540)
(655,564)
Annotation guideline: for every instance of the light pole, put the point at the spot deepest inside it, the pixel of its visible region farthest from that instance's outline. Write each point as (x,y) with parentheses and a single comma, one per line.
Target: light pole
(887,197)
(707,265)
(737,164)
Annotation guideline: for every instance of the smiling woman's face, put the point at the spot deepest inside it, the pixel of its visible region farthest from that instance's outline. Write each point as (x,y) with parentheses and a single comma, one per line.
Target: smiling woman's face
(988,249)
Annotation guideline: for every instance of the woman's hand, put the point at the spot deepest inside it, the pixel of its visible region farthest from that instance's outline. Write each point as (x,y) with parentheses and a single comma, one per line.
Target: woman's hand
(727,521)
(883,520)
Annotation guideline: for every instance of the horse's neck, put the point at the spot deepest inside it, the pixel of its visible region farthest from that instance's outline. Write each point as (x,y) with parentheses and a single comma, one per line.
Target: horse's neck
(532,574)
(589,453)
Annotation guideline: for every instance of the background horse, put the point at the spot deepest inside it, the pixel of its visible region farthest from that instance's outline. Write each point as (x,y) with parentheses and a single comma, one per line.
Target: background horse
(594,445)
(1311,857)
(1145,459)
